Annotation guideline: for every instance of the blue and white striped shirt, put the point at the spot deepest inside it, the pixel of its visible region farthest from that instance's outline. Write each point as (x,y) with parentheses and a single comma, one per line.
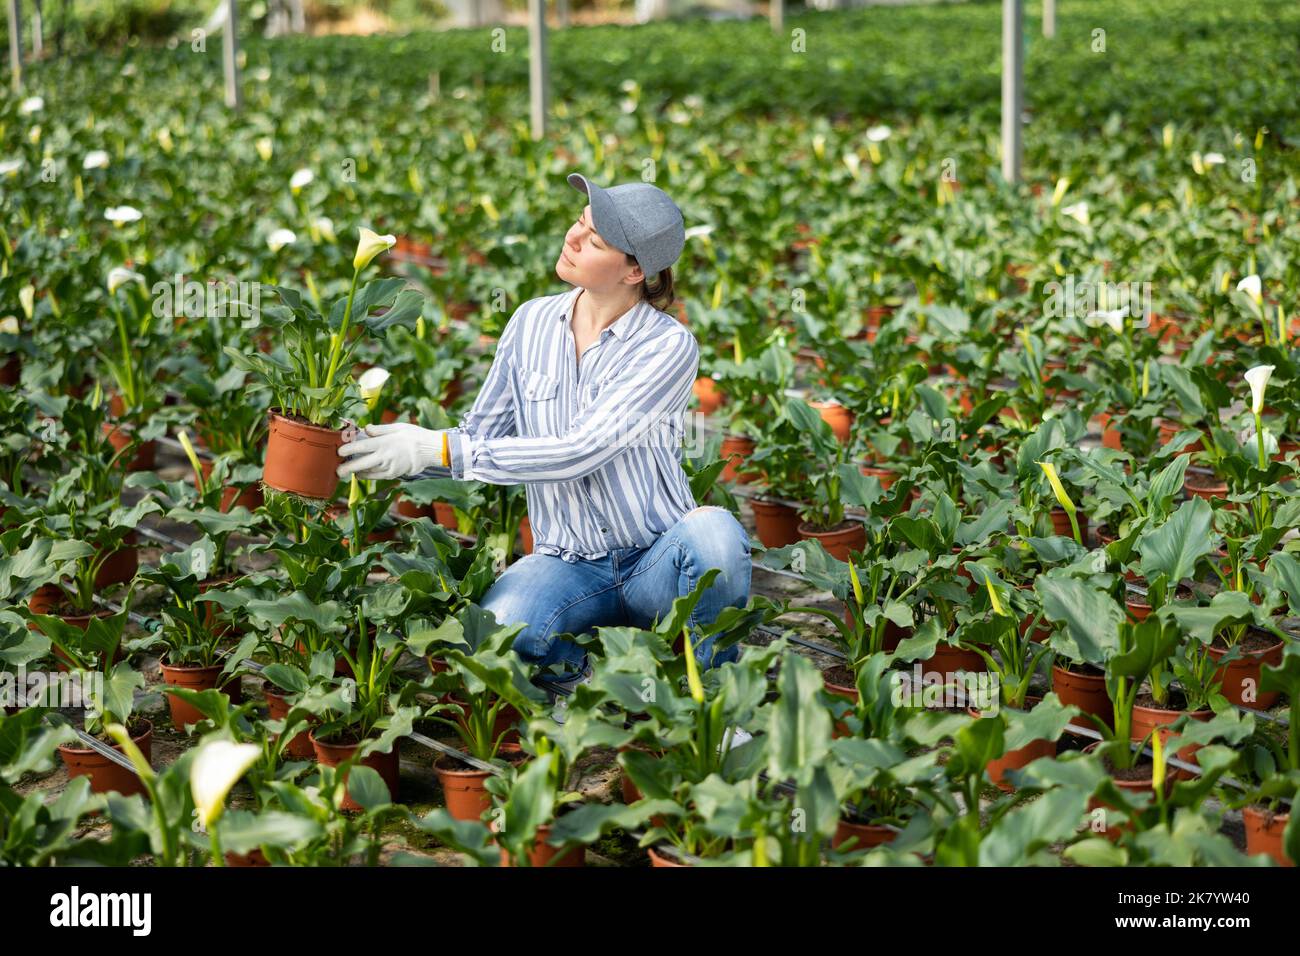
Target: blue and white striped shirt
(598,442)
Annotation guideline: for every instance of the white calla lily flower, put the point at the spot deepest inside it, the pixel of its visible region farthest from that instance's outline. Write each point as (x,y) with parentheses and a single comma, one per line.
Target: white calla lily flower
(27,299)
(265,148)
(120,215)
(699,232)
(325,225)
(95,159)
(217,767)
(300,179)
(10,167)
(370,245)
(1257,378)
(1213,159)
(31,105)
(280,238)
(1114,318)
(1077,212)
(1253,287)
(878,134)
(120,276)
(371,383)
(9,325)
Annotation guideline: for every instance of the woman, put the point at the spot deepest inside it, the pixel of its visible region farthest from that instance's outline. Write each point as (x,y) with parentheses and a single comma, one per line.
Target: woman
(584,405)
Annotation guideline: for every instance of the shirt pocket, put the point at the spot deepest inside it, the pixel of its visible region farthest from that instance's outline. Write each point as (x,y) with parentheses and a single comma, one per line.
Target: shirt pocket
(540,407)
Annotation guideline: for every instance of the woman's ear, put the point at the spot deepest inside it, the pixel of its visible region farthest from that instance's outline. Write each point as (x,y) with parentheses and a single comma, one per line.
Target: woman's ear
(636,276)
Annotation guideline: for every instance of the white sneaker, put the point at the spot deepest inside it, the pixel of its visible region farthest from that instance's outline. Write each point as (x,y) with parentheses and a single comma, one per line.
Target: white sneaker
(560,706)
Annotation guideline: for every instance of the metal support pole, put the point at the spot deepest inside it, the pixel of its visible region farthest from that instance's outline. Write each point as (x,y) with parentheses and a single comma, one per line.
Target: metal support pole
(1049,18)
(776,13)
(297,19)
(562,13)
(230,54)
(538,68)
(38,31)
(16,44)
(1013,91)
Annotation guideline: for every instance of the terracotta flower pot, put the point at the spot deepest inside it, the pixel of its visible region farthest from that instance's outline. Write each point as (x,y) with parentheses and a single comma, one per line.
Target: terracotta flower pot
(386,765)
(254,858)
(525,535)
(462,789)
(1208,487)
(1264,831)
(1137,780)
(445,515)
(1085,691)
(277,705)
(409,509)
(735,449)
(707,393)
(886,476)
(661,859)
(1019,757)
(301,458)
(866,835)
(837,416)
(106,776)
(838,541)
(1147,720)
(543,854)
(1061,524)
(1167,431)
(1243,674)
(146,455)
(121,565)
(196,678)
(249,497)
(948,659)
(776,525)
(1110,435)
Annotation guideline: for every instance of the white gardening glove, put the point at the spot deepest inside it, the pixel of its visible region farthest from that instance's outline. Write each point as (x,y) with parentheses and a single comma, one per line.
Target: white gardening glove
(395,450)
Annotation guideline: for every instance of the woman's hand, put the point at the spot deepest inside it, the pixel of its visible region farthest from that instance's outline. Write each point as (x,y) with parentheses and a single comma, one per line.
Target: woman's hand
(396,450)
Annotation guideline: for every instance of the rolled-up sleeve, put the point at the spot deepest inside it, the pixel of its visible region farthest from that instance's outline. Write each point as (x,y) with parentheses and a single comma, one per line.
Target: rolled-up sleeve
(640,406)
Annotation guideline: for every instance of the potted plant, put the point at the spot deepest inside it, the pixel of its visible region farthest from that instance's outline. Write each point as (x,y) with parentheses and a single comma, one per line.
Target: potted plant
(312,387)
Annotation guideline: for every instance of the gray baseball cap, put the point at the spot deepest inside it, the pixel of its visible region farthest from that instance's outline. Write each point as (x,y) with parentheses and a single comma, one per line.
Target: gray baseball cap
(636,218)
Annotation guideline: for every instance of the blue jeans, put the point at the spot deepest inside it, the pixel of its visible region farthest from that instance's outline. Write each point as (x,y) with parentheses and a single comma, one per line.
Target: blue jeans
(627,587)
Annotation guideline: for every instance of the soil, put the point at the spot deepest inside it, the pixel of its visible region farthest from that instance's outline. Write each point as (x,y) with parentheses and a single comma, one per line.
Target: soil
(301,420)
(1175,701)
(1142,770)
(839,674)
(1086,670)
(1251,642)
(135,727)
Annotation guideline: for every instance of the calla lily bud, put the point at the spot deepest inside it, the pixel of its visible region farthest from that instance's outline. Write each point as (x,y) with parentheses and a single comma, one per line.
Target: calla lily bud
(857,584)
(142,768)
(120,276)
(217,767)
(1058,489)
(1058,193)
(371,383)
(354,493)
(27,299)
(370,245)
(420,328)
(692,669)
(165,140)
(9,325)
(184,438)
(265,148)
(1252,286)
(1158,763)
(994,600)
(1258,378)
(1167,135)
(326,227)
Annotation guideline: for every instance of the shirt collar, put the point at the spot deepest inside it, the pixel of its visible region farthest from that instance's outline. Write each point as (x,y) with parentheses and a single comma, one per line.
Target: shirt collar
(622,327)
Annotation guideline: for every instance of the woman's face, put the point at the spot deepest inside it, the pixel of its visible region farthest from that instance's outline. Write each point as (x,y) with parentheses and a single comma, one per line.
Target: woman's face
(588,261)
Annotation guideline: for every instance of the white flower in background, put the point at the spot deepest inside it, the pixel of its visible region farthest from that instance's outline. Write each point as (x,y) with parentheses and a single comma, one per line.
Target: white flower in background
(370,245)
(1213,159)
(693,101)
(128,70)
(1252,287)
(1114,318)
(514,239)
(878,134)
(325,226)
(700,232)
(9,325)
(95,159)
(217,767)
(120,215)
(265,147)
(371,383)
(1058,193)
(30,105)
(10,167)
(262,74)
(629,86)
(165,139)
(627,105)
(300,179)
(27,299)
(1077,212)
(1257,378)
(34,134)
(120,276)
(854,162)
(280,238)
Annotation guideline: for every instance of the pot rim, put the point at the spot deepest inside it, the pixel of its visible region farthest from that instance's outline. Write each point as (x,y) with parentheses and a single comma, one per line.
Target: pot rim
(135,739)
